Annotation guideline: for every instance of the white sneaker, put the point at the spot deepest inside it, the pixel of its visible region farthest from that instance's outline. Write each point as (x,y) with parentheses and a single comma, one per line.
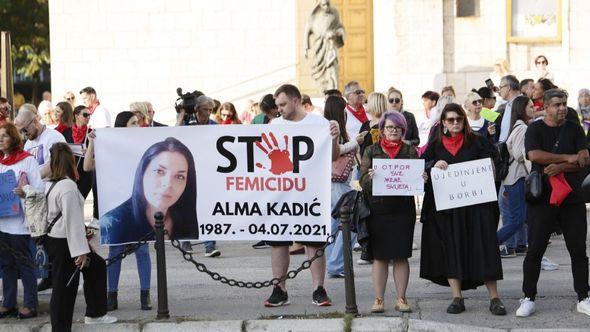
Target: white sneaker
(527,308)
(548,265)
(106,319)
(584,306)
(363,262)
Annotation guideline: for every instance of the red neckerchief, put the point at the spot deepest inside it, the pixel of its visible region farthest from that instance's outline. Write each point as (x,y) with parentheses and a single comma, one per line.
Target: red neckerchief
(391,147)
(61,127)
(453,144)
(93,107)
(79,133)
(359,114)
(13,158)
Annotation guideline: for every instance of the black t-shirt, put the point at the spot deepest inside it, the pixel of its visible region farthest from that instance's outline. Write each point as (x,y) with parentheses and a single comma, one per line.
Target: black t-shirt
(540,136)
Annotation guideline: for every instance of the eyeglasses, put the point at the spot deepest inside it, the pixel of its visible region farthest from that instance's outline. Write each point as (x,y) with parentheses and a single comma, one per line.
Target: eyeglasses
(393,128)
(476,102)
(454,120)
(394,100)
(359,92)
(502,86)
(86,115)
(541,62)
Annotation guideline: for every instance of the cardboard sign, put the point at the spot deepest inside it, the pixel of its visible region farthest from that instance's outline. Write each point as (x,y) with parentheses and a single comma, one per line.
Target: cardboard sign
(215,182)
(398,177)
(464,184)
(9,202)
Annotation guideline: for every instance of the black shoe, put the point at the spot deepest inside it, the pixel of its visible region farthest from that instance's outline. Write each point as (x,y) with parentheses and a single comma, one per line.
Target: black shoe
(212,253)
(112,301)
(31,314)
(146,302)
(497,307)
(45,284)
(457,306)
(278,298)
(521,250)
(261,245)
(320,298)
(10,312)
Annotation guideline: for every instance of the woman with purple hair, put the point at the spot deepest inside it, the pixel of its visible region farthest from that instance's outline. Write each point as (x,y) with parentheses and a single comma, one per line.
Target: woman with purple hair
(392,219)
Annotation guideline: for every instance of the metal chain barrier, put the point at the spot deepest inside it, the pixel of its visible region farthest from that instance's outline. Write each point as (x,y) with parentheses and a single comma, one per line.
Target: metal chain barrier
(258,284)
(5,249)
(131,248)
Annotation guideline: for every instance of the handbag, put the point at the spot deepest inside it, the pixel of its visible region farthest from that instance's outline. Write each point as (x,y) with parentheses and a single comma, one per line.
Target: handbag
(342,167)
(535,186)
(36,213)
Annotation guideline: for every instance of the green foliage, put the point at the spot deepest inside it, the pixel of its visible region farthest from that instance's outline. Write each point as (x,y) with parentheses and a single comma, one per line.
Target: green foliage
(28,23)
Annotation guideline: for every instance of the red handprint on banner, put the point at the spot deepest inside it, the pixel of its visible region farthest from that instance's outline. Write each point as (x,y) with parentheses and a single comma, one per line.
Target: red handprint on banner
(280,160)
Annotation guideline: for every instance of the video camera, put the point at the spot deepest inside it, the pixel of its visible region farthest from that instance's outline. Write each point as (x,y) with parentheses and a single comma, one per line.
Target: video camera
(187,101)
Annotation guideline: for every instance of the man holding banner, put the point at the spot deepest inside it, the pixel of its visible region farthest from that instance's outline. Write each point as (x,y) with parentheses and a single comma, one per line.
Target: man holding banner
(459,244)
(557,149)
(288,101)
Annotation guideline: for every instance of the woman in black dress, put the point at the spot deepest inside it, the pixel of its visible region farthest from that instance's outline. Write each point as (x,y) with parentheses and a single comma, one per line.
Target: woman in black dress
(459,246)
(392,219)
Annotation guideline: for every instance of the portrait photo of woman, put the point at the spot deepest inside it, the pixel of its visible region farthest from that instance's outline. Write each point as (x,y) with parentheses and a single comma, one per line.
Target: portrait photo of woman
(165,181)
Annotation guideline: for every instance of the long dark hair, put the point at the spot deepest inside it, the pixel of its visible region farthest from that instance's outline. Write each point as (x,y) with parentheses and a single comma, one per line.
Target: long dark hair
(452,107)
(518,111)
(184,212)
(67,113)
(62,162)
(334,110)
(122,119)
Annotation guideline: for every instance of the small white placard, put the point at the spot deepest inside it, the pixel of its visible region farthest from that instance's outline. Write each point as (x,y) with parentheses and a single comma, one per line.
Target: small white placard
(464,184)
(398,177)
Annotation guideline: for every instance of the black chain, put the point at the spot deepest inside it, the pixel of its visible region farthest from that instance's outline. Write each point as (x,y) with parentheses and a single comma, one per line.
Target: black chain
(18,255)
(258,284)
(131,248)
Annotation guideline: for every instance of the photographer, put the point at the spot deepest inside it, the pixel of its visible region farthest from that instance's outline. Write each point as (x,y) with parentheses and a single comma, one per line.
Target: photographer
(197,116)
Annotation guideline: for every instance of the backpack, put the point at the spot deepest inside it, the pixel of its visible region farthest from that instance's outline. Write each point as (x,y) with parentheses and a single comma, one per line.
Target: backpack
(36,212)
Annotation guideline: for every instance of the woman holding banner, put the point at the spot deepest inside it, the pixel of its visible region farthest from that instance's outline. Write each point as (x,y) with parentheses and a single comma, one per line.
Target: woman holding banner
(392,219)
(459,245)
(14,231)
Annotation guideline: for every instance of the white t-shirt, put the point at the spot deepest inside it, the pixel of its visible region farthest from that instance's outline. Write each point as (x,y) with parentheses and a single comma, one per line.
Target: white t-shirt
(309,118)
(476,124)
(100,118)
(39,147)
(28,166)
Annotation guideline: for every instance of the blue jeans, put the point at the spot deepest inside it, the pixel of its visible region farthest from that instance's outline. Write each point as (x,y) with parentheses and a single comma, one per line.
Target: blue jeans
(209,245)
(513,211)
(144,267)
(334,254)
(13,268)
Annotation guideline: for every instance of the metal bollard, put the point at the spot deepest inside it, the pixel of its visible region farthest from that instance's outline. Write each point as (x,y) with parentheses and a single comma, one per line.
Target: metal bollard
(350,292)
(163,312)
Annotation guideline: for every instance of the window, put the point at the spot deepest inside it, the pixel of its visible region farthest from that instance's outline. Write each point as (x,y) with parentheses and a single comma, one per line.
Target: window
(467,8)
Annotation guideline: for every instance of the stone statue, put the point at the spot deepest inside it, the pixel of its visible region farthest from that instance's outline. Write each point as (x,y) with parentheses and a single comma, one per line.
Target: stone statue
(326,33)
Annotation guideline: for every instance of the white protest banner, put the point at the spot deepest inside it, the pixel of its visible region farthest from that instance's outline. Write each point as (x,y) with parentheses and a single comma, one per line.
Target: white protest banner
(398,177)
(216,182)
(464,184)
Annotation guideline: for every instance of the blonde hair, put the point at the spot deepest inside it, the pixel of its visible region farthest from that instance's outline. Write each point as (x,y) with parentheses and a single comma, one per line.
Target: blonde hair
(503,65)
(376,104)
(469,98)
(141,107)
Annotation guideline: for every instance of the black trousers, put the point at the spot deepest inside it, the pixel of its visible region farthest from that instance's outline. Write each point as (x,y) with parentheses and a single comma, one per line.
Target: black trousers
(541,220)
(63,298)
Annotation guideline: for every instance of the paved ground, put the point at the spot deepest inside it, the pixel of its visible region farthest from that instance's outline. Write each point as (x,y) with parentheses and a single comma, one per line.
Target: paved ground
(195,296)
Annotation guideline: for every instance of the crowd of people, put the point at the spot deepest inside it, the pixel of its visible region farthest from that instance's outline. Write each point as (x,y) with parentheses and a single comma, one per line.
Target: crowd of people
(526,121)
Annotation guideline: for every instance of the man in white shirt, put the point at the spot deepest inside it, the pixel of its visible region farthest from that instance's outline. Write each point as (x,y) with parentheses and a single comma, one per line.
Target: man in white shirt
(100,118)
(288,100)
(355,111)
(39,138)
(509,89)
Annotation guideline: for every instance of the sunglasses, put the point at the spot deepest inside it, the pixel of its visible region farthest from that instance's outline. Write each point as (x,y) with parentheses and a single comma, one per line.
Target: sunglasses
(225,115)
(24,128)
(393,128)
(70,98)
(394,100)
(86,115)
(360,92)
(454,120)
(476,102)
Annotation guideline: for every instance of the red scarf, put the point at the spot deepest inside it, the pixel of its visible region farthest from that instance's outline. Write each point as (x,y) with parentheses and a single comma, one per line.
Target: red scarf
(61,127)
(359,114)
(79,133)
(13,158)
(93,107)
(227,121)
(453,144)
(391,147)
